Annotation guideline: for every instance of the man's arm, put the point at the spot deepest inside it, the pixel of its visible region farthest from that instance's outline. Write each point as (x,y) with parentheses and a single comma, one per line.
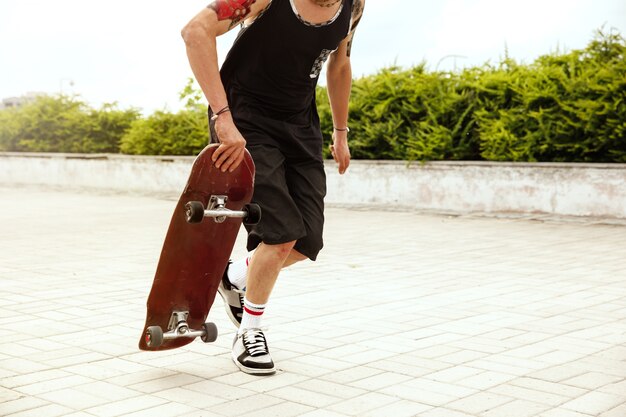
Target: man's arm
(339,83)
(200,36)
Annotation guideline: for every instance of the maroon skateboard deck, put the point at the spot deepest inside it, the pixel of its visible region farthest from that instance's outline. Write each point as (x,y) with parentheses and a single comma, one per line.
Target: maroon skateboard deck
(195,253)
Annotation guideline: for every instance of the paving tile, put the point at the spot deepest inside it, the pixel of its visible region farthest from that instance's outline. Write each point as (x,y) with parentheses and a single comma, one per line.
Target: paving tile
(281,379)
(618,388)
(127,406)
(139,377)
(595,403)
(19,366)
(169,409)
(479,403)
(618,411)
(330,388)
(50,410)
(237,378)
(376,382)
(517,408)
(592,380)
(454,374)
(199,413)
(511,368)
(410,365)
(245,406)
(31,378)
(477,330)
(561,412)
(73,399)
(195,398)
(603,365)
(307,370)
(362,404)
(21,404)
(170,381)
(9,395)
(53,384)
(535,395)
(303,396)
(17,350)
(5,373)
(485,380)
(285,409)
(401,408)
(313,361)
(219,367)
(563,390)
(560,373)
(443,412)
(323,413)
(410,393)
(219,390)
(108,391)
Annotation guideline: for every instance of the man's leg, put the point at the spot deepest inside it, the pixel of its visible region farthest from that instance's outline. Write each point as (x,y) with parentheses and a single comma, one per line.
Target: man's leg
(250,352)
(263,270)
(294,257)
(233,285)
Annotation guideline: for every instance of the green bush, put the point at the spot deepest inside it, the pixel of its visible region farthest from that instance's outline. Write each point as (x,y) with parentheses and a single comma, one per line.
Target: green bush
(166,133)
(562,107)
(63,124)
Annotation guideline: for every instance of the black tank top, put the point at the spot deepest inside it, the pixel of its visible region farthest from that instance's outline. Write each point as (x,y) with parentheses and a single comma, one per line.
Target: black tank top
(274,64)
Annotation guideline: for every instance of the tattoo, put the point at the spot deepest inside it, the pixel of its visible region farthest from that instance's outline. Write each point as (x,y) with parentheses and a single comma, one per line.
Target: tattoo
(357,13)
(233,10)
(357,8)
(349,45)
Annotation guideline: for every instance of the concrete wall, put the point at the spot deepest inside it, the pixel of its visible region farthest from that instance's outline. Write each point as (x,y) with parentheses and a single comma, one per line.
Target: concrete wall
(461,187)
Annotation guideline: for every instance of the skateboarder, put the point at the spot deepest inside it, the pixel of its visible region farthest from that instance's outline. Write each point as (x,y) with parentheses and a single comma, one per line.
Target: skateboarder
(263,99)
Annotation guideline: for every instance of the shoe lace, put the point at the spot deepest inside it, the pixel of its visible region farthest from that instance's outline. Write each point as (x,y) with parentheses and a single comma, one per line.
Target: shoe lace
(254,342)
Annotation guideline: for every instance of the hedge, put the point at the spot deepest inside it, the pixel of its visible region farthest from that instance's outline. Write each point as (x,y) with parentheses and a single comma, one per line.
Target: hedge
(166,133)
(561,107)
(64,124)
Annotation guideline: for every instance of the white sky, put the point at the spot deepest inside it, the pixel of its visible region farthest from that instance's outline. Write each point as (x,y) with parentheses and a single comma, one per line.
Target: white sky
(131,51)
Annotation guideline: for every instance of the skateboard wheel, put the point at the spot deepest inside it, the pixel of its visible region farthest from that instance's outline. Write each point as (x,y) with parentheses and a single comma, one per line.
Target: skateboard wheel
(253,214)
(210,332)
(194,210)
(154,336)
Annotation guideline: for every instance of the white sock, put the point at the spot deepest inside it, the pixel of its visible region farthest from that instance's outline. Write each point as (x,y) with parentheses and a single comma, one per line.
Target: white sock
(252,315)
(238,271)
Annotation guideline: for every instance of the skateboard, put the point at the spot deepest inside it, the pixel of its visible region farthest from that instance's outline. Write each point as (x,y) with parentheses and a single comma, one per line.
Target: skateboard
(195,252)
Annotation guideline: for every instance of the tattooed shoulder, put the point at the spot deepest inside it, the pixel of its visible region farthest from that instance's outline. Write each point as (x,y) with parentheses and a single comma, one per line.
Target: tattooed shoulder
(357,13)
(233,10)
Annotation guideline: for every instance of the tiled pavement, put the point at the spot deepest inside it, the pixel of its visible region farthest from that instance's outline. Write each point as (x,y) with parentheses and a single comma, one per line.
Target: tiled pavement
(405,314)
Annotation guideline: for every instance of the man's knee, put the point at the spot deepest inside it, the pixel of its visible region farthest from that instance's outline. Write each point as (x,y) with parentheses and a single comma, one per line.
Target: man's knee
(282,250)
(296,256)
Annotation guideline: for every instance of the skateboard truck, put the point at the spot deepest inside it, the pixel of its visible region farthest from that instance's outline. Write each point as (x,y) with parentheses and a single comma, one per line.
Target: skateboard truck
(178,328)
(195,211)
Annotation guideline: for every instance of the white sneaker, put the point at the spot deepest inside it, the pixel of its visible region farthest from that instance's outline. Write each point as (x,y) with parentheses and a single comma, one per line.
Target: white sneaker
(250,353)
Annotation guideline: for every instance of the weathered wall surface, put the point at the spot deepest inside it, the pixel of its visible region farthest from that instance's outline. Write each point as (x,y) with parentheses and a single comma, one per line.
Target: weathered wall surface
(462,187)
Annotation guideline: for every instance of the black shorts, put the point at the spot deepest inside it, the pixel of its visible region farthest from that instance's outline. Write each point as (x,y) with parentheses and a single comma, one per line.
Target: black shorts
(290,182)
